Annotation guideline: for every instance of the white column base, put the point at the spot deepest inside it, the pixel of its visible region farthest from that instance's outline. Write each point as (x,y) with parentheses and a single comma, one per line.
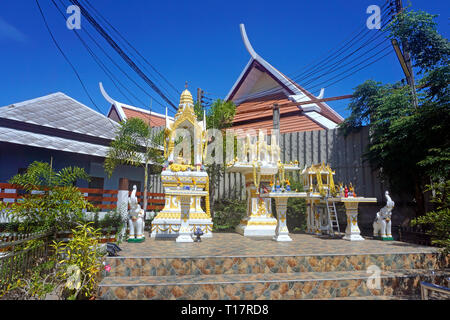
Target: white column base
(282,238)
(353,237)
(184,238)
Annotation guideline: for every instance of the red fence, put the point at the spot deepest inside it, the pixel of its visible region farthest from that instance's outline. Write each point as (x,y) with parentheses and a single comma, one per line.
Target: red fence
(155,201)
(100,198)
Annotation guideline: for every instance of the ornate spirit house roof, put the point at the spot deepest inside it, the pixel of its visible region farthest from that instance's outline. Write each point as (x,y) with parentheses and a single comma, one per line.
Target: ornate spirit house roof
(260,84)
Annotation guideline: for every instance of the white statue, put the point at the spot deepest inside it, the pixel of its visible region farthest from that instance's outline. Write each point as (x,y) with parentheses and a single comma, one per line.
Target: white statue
(382,223)
(135,218)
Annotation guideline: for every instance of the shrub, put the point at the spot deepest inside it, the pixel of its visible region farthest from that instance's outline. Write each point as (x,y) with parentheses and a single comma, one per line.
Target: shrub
(81,262)
(296,210)
(438,220)
(227,213)
(51,202)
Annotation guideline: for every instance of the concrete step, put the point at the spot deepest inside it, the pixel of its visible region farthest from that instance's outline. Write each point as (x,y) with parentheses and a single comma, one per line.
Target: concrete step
(302,285)
(210,265)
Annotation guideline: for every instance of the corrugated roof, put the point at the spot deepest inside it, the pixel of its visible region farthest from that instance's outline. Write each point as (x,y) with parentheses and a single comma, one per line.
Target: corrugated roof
(60,111)
(49,142)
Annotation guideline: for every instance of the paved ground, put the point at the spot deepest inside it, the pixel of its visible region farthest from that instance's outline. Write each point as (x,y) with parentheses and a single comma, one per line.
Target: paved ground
(233,244)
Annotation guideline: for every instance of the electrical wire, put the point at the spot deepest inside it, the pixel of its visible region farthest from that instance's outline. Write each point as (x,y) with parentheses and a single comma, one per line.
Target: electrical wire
(118,67)
(68,61)
(124,56)
(277,88)
(97,60)
(111,27)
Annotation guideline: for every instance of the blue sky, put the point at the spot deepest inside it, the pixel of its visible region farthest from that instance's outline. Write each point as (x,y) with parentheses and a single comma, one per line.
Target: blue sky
(194,41)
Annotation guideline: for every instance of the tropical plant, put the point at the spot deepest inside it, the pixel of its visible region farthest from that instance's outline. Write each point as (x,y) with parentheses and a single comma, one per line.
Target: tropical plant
(50,201)
(296,209)
(80,262)
(439,219)
(135,145)
(227,213)
(219,116)
(42,279)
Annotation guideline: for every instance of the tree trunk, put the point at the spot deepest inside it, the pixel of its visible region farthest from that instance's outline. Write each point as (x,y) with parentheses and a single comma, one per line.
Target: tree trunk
(144,206)
(419,196)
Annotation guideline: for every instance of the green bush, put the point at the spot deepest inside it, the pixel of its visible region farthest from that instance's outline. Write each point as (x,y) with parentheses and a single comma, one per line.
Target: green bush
(56,206)
(296,210)
(227,213)
(438,220)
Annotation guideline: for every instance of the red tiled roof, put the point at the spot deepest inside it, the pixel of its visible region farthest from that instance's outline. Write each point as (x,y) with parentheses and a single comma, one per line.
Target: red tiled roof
(155,121)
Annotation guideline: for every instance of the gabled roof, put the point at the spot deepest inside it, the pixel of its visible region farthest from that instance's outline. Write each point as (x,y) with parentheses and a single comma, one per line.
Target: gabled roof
(60,111)
(260,80)
(57,122)
(120,112)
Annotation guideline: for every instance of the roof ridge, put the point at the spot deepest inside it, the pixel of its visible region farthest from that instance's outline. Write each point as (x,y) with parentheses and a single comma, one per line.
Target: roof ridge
(28,101)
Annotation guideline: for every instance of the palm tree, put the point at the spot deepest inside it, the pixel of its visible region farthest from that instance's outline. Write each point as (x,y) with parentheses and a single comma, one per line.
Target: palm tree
(135,144)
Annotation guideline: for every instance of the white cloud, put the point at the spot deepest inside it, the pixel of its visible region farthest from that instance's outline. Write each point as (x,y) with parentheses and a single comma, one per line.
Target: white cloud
(8,31)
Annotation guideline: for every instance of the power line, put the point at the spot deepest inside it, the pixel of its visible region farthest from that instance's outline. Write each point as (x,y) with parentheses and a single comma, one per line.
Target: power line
(96,59)
(124,56)
(119,68)
(328,71)
(277,89)
(68,61)
(336,54)
(135,50)
(384,49)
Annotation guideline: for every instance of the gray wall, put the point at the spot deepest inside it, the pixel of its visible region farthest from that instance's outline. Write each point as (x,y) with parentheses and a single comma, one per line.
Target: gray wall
(343,154)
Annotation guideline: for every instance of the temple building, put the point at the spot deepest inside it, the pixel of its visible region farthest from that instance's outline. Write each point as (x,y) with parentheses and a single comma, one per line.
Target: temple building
(260,86)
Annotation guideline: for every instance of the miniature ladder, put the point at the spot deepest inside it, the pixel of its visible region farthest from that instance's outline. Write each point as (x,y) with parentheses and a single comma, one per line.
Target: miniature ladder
(333,222)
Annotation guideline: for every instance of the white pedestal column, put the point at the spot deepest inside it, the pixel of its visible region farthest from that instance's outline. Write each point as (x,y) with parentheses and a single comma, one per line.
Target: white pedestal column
(352,232)
(281,232)
(184,234)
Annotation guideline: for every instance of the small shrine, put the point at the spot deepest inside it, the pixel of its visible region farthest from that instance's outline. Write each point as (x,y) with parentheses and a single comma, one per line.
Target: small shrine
(318,180)
(321,197)
(260,164)
(184,170)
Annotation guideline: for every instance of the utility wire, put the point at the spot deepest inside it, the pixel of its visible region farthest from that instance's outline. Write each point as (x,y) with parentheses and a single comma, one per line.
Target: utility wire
(277,89)
(337,65)
(130,45)
(334,55)
(68,61)
(97,60)
(124,56)
(120,69)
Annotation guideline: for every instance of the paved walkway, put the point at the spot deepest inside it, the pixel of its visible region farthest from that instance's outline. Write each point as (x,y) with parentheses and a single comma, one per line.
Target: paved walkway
(233,244)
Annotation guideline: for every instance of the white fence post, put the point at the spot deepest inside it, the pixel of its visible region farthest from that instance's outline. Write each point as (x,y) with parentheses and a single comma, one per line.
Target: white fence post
(122,204)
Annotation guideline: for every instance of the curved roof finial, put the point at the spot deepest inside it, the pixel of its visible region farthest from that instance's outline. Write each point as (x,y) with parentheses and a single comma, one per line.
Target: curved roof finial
(247,44)
(105,95)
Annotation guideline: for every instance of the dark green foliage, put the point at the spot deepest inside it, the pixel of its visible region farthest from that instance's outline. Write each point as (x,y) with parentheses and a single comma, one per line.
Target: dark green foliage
(227,213)
(439,219)
(296,210)
(51,202)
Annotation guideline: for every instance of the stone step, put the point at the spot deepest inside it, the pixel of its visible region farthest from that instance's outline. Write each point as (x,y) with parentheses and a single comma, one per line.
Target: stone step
(210,265)
(410,297)
(303,285)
